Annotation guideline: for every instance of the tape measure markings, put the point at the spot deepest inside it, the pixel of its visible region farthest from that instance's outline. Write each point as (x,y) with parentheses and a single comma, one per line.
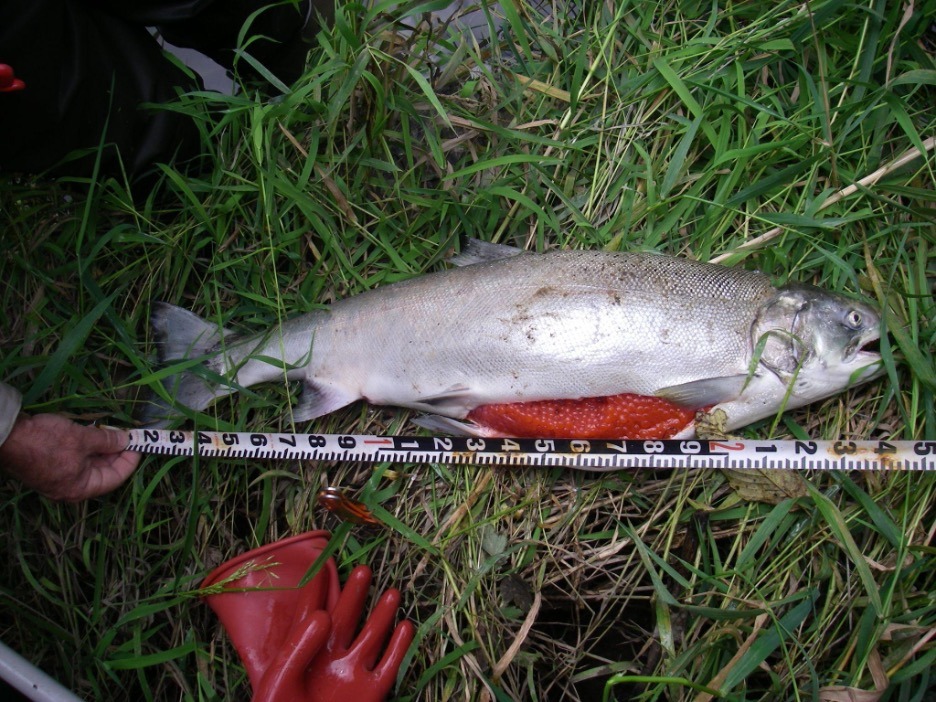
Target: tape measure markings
(579,454)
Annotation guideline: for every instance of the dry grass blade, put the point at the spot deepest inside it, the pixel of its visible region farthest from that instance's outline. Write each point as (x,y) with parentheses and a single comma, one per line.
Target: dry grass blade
(869,180)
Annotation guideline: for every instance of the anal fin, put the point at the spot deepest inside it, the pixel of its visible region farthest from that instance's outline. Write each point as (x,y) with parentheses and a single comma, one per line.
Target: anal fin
(317,400)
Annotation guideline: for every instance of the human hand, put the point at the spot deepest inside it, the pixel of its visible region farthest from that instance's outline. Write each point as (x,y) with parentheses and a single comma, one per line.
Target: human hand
(64,460)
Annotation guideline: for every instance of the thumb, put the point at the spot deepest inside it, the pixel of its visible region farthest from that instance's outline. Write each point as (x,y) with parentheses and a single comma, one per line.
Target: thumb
(105,439)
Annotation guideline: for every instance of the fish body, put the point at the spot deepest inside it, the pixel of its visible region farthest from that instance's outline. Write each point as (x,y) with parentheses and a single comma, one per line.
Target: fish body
(555,328)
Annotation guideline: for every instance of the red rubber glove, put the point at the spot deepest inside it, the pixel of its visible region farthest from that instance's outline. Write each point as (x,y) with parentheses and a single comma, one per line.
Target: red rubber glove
(328,664)
(9,83)
(263,611)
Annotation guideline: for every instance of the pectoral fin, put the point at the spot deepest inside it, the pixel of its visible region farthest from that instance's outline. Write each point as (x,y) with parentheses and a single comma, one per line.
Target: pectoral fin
(707,392)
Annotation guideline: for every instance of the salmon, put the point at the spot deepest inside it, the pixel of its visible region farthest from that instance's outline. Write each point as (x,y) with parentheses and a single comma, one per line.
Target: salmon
(573,344)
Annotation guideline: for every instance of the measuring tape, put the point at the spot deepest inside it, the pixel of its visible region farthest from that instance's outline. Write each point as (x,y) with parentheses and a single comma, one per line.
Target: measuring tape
(579,454)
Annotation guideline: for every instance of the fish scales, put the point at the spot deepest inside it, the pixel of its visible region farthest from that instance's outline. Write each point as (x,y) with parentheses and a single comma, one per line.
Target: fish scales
(536,328)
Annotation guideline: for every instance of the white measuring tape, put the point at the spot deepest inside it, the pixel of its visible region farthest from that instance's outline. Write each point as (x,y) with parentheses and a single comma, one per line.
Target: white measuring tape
(580,454)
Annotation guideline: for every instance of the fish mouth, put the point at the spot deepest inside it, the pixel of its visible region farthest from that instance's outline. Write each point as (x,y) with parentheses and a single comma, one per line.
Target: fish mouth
(864,356)
(871,349)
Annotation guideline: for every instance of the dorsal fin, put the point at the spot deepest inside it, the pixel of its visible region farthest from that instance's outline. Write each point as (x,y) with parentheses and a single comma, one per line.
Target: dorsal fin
(477,251)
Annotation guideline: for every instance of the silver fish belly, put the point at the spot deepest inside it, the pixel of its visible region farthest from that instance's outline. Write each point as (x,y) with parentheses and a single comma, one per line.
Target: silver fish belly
(557,326)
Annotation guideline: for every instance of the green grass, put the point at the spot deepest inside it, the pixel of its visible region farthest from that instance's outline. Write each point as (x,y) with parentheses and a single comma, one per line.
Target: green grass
(691,128)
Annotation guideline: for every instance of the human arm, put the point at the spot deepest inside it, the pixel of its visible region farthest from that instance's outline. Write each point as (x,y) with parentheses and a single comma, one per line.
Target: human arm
(59,458)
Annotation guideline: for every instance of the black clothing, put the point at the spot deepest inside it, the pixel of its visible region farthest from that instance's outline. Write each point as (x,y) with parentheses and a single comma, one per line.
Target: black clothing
(89,64)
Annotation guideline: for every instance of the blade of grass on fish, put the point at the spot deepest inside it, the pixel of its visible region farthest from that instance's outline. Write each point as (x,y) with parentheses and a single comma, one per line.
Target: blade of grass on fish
(751,94)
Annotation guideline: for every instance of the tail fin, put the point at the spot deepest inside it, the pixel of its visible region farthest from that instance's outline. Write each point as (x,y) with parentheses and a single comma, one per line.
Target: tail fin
(181,335)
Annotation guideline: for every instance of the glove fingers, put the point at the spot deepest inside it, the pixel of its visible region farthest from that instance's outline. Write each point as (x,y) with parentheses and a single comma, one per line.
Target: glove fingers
(312,596)
(386,672)
(284,679)
(376,630)
(347,612)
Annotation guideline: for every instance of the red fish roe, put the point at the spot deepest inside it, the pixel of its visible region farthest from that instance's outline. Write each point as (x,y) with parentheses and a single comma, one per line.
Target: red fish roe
(623,416)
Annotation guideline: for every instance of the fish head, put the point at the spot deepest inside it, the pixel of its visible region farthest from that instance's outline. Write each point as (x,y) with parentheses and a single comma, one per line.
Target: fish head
(817,339)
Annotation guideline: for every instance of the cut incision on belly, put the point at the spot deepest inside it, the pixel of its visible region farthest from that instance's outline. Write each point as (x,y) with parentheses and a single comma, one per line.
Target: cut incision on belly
(622,416)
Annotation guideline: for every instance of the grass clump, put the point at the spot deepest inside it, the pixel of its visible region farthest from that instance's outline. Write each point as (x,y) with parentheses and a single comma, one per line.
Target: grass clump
(768,135)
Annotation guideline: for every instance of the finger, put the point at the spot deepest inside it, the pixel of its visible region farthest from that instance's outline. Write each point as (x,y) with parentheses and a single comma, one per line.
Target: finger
(385,674)
(106,473)
(120,464)
(350,606)
(285,676)
(312,596)
(104,440)
(377,628)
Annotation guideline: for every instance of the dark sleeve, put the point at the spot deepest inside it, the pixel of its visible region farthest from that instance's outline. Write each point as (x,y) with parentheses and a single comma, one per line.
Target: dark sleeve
(86,72)
(280,28)
(89,65)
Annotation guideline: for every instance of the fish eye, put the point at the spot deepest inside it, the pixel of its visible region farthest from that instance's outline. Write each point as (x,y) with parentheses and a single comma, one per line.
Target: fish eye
(854,319)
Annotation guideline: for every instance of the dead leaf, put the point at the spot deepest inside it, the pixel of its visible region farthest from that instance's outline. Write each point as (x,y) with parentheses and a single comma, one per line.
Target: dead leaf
(843,693)
(766,485)
(840,693)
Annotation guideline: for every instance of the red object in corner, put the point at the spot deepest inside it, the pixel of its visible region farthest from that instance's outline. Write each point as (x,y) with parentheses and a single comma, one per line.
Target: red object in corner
(347,667)
(9,83)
